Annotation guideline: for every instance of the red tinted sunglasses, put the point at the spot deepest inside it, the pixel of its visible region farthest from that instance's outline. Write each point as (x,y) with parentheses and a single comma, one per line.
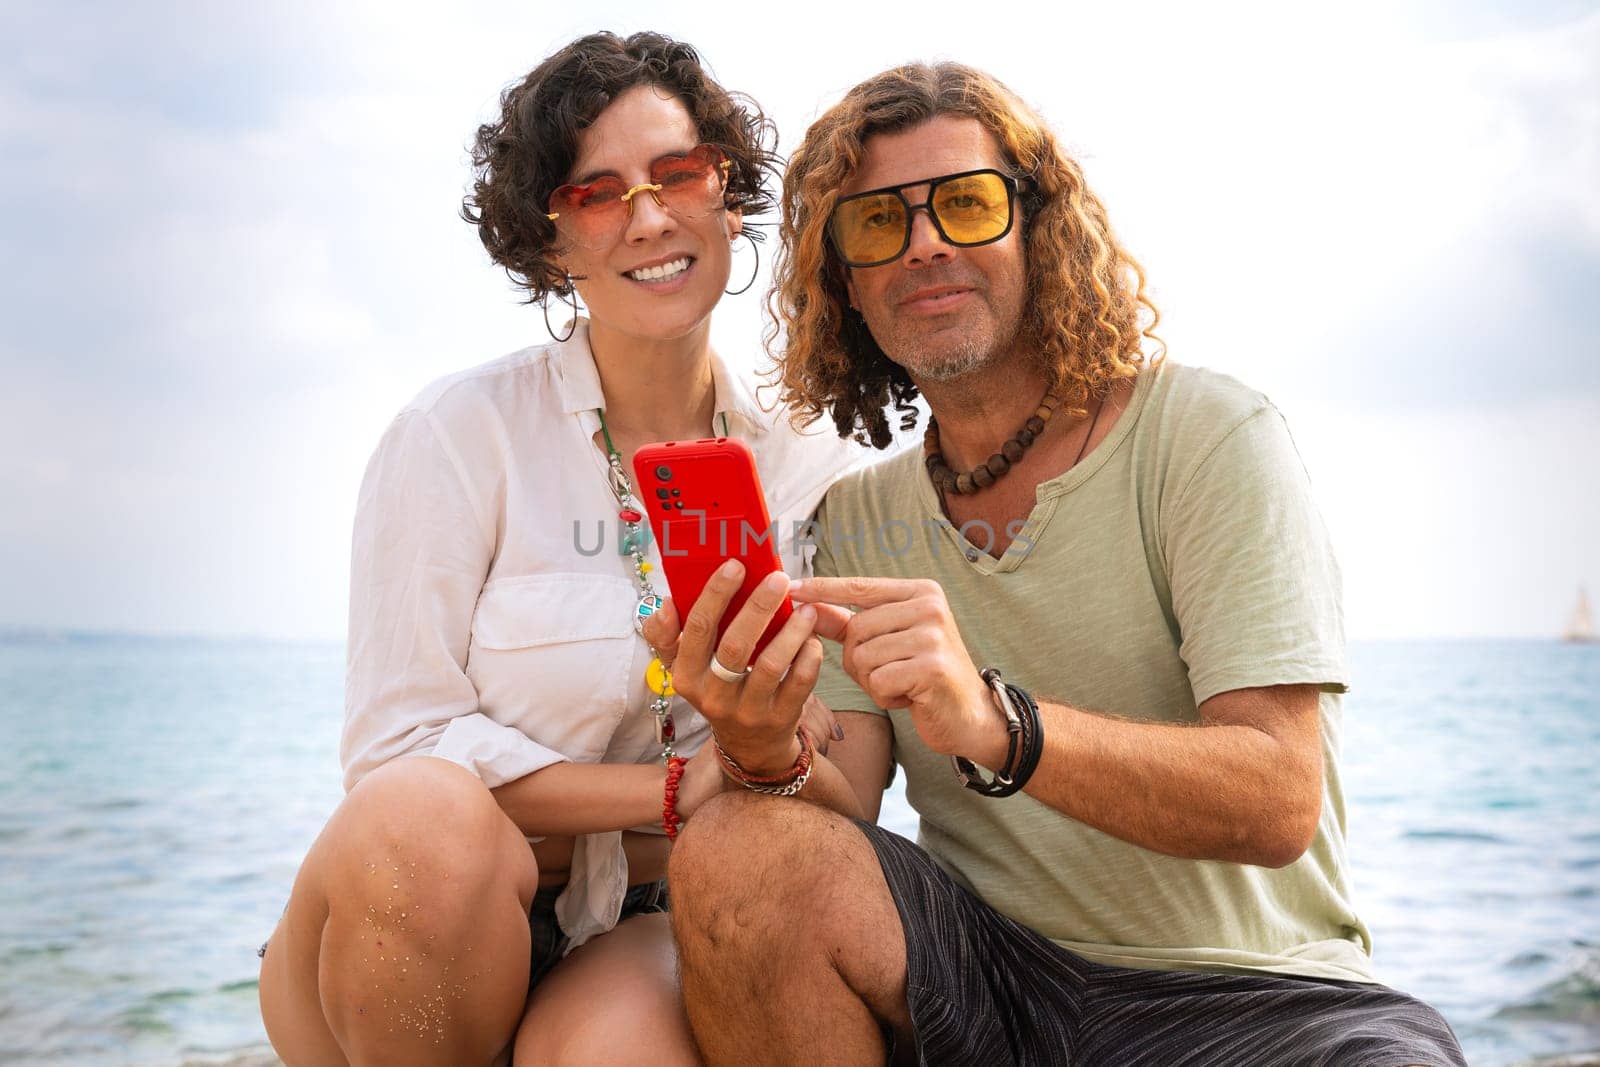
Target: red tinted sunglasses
(689,185)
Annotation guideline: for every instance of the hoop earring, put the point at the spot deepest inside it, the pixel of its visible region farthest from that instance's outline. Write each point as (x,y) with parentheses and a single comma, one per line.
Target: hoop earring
(754,270)
(572,327)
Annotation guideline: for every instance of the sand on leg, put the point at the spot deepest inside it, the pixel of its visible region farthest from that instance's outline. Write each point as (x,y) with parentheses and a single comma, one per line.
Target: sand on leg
(406,938)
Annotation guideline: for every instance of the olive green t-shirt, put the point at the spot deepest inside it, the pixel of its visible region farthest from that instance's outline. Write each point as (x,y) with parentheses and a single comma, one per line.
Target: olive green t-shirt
(1182,558)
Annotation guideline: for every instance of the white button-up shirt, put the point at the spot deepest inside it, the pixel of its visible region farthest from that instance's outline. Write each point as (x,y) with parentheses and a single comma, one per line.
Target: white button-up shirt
(485,626)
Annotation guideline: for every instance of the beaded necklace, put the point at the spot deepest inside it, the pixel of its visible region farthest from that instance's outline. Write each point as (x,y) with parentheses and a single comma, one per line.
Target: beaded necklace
(987,473)
(631,517)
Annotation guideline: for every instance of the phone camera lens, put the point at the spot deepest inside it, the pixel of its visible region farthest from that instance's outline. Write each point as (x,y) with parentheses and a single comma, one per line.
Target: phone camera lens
(664,473)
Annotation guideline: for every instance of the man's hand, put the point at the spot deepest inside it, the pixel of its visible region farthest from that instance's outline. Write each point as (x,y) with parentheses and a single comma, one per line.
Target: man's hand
(904,650)
(754,718)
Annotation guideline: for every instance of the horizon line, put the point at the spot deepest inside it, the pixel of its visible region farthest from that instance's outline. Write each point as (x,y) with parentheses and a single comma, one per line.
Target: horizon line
(11,632)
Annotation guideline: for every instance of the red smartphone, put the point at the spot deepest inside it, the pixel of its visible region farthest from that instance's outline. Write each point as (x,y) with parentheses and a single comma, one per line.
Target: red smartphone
(706,507)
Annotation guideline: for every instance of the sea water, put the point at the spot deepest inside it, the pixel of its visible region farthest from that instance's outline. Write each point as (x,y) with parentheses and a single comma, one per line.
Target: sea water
(157,795)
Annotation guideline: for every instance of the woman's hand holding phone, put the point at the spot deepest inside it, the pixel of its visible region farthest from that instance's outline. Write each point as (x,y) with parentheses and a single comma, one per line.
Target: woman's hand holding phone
(755,717)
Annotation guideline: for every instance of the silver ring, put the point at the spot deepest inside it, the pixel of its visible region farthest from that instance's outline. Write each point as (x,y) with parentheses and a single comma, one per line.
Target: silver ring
(725,674)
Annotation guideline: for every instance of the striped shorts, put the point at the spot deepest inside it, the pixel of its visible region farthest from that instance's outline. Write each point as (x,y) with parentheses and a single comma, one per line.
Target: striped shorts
(984,989)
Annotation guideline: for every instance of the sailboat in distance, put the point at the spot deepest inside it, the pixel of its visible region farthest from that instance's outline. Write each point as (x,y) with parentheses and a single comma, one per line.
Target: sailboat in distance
(1580,631)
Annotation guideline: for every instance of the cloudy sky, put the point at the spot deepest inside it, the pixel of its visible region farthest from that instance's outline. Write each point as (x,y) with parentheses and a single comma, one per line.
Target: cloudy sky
(229,253)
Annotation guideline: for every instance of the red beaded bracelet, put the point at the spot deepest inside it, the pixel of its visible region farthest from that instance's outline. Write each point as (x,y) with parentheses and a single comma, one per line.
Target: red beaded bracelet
(669,804)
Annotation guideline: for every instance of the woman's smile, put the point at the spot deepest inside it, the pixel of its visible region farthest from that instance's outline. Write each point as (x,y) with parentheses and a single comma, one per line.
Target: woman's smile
(660,277)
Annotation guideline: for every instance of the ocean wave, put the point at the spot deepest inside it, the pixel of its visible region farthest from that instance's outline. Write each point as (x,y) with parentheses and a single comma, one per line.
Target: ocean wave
(112,804)
(1572,998)
(144,1019)
(1477,836)
(27,952)
(244,1056)
(1528,959)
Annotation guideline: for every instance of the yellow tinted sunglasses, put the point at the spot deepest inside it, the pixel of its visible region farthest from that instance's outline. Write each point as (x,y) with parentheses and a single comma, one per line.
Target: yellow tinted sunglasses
(968,209)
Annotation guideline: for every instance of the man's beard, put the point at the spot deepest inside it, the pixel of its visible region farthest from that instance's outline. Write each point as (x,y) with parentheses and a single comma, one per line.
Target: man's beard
(947,355)
(947,358)
(971,355)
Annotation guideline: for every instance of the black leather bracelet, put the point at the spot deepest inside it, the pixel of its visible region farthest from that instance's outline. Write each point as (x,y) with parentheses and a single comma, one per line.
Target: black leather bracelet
(1005,782)
(1014,724)
(1032,734)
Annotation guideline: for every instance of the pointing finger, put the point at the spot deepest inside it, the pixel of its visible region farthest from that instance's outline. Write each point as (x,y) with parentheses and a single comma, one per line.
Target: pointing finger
(860,592)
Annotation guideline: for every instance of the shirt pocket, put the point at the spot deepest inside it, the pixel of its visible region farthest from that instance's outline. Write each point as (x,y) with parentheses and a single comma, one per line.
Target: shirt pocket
(552,655)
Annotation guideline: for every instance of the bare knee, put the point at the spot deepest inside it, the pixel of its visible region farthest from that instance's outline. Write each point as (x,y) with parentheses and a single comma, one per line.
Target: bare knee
(421,822)
(731,838)
(418,866)
(779,910)
(423,799)
(744,856)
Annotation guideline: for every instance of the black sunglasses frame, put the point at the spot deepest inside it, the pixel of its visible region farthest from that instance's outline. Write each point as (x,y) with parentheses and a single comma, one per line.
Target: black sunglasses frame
(1013,189)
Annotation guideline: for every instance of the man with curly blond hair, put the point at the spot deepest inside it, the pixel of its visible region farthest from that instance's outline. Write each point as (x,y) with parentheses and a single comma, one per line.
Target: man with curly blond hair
(1095,620)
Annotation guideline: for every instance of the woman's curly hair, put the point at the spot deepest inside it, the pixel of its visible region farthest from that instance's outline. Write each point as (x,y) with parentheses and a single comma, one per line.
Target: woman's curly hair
(528,152)
(1087,313)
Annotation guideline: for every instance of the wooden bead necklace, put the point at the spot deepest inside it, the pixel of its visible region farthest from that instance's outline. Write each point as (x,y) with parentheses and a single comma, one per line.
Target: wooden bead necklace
(987,473)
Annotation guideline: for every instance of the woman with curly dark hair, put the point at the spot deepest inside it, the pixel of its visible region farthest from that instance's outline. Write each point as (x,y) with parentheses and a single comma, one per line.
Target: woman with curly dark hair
(505,891)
